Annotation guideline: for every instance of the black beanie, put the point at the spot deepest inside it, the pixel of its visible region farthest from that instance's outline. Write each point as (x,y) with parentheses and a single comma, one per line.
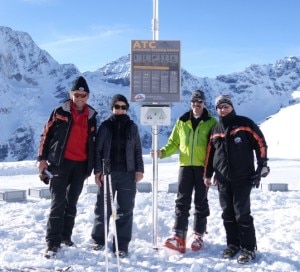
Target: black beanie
(119,97)
(80,85)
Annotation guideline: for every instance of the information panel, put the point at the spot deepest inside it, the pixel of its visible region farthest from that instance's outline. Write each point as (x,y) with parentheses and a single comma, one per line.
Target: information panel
(155,71)
(156,115)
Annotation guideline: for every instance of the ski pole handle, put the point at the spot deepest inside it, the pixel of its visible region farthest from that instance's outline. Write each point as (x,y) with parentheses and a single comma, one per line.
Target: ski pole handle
(106,166)
(48,174)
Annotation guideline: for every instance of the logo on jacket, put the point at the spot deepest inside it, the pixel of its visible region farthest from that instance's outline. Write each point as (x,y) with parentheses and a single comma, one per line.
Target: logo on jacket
(237,140)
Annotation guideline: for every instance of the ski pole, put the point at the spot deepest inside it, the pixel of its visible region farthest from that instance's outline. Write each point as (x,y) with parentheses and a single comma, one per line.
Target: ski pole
(114,217)
(105,214)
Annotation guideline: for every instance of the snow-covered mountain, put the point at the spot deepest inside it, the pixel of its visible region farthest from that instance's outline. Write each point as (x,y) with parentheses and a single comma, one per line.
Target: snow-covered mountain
(32,83)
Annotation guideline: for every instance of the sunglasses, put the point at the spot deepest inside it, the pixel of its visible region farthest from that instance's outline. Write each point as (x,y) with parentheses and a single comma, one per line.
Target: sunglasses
(197,101)
(225,107)
(77,95)
(117,107)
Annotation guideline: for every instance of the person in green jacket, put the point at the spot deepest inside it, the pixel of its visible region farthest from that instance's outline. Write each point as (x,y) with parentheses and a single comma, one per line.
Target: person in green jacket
(190,136)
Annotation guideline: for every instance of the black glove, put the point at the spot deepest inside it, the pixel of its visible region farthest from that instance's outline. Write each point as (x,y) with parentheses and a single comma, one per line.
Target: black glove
(255,180)
(262,170)
(45,176)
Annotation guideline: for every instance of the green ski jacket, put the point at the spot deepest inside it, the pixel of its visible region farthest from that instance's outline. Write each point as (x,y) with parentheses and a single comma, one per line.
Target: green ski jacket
(190,144)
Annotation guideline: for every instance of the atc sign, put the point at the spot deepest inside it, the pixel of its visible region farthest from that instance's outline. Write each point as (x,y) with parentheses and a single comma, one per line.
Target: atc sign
(155,71)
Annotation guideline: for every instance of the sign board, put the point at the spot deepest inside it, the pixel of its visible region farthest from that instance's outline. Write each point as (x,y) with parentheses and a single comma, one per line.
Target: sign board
(155,71)
(155,115)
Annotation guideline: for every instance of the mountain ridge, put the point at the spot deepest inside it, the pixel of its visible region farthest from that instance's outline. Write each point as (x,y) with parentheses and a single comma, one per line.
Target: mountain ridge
(32,83)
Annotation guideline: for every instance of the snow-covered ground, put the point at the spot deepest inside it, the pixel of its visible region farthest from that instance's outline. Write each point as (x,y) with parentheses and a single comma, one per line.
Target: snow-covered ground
(276,214)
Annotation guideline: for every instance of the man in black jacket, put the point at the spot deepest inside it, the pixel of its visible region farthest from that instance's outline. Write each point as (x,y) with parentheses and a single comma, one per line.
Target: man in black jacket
(230,156)
(118,141)
(67,151)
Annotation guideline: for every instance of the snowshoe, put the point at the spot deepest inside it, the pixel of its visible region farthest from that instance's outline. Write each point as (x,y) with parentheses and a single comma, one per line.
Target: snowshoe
(175,243)
(197,242)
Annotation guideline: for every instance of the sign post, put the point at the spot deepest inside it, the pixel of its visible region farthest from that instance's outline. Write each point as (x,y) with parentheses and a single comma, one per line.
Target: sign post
(155,79)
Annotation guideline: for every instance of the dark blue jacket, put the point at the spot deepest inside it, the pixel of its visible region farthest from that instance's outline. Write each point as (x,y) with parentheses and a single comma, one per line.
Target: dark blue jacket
(132,143)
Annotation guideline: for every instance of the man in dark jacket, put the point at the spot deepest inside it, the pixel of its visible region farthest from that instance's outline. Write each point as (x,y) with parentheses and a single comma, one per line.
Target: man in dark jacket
(118,141)
(230,156)
(67,151)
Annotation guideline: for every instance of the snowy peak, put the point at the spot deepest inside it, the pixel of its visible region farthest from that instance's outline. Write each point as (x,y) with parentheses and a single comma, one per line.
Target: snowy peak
(32,83)
(19,54)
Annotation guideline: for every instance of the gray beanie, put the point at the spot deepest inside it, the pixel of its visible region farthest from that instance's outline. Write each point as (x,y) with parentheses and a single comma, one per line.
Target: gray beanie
(198,95)
(224,98)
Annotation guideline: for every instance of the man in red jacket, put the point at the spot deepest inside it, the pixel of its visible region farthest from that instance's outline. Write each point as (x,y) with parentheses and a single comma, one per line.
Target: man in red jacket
(67,151)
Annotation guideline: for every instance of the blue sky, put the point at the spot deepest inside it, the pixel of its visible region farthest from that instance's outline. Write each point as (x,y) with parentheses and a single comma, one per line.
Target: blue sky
(217,36)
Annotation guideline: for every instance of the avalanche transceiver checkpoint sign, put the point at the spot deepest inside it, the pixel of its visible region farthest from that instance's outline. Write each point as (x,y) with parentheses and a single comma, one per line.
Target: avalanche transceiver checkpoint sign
(155,71)
(156,115)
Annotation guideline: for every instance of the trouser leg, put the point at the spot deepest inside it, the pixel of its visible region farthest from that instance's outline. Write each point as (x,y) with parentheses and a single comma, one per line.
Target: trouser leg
(125,187)
(228,214)
(58,188)
(73,192)
(243,216)
(98,230)
(237,219)
(200,202)
(183,201)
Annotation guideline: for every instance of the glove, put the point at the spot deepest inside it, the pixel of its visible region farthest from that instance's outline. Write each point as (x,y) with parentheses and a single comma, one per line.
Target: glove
(261,172)
(265,170)
(45,176)
(255,180)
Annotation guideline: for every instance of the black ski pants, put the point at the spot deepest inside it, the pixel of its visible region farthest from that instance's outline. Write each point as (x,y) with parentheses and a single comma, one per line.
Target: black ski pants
(65,187)
(234,199)
(190,179)
(124,186)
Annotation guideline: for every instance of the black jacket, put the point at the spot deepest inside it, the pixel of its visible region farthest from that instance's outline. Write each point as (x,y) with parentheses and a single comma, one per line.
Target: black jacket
(56,133)
(132,143)
(231,148)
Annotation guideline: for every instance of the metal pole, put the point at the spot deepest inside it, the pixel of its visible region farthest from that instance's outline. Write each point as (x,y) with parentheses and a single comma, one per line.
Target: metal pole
(105,214)
(155,22)
(155,142)
(114,216)
(155,186)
